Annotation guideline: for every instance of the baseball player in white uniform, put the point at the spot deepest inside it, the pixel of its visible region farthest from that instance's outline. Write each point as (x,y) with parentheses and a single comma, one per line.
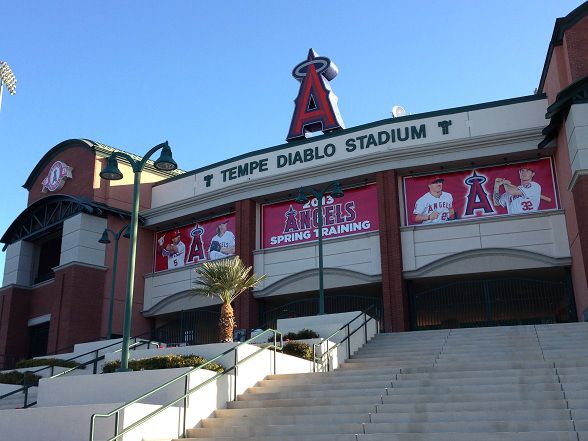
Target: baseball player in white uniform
(518,200)
(223,243)
(436,206)
(175,251)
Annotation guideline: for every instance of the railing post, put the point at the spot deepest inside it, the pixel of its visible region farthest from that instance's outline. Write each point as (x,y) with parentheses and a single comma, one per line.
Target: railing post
(52,371)
(235,371)
(116,418)
(186,388)
(348,342)
(365,326)
(275,349)
(26,393)
(314,357)
(328,359)
(96,362)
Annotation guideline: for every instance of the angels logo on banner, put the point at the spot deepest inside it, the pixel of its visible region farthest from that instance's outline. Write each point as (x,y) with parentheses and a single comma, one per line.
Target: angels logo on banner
(289,223)
(195,243)
(520,188)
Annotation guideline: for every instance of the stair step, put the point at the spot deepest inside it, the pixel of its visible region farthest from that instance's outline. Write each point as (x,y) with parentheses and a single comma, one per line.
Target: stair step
(487,415)
(463,436)
(287,419)
(273,430)
(273,385)
(473,396)
(513,380)
(329,393)
(287,402)
(523,404)
(362,409)
(471,426)
(327,437)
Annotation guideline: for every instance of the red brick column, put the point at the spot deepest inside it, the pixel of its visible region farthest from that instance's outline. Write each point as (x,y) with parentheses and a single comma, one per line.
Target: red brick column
(76,313)
(580,196)
(14,315)
(393,288)
(246,307)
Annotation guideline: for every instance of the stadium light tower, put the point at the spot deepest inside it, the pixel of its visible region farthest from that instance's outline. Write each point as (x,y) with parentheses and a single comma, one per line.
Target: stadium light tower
(7,79)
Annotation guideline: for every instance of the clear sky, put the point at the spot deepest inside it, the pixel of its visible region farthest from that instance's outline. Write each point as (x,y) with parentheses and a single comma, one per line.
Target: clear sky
(214,77)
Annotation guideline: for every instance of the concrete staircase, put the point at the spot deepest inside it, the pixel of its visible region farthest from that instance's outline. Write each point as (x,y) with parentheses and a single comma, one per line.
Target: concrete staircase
(523,383)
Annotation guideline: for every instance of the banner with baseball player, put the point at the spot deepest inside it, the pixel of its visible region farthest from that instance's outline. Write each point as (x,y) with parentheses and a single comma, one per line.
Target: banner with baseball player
(195,243)
(519,188)
(289,223)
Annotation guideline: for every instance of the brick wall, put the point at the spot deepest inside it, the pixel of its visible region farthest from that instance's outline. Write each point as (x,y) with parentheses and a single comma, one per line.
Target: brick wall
(246,307)
(393,288)
(82,160)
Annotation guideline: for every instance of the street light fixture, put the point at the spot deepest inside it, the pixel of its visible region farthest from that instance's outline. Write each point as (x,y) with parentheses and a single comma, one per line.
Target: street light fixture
(7,79)
(302,198)
(112,172)
(123,232)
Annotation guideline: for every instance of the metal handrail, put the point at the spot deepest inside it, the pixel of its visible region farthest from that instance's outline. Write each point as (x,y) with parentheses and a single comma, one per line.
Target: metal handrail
(187,391)
(346,326)
(25,388)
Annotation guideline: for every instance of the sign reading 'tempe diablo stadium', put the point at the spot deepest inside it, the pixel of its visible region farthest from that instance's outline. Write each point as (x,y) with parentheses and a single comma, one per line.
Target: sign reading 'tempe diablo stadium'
(289,223)
(521,188)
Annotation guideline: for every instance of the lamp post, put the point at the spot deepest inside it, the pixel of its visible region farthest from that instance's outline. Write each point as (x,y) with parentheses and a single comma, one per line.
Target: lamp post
(123,232)
(336,191)
(7,79)
(112,172)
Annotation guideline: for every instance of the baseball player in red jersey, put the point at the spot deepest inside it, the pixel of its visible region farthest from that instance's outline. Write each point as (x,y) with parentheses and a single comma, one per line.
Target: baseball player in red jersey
(175,251)
(522,199)
(436,206)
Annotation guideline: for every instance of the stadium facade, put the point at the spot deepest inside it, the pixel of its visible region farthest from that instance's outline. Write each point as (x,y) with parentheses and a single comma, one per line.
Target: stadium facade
(469,216)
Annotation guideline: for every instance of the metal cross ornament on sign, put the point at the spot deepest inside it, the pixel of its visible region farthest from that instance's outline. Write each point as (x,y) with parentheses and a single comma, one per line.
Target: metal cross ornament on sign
(56,177)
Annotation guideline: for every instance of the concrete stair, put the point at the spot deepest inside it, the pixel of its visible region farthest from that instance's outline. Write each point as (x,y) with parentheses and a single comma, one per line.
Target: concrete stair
(522,383)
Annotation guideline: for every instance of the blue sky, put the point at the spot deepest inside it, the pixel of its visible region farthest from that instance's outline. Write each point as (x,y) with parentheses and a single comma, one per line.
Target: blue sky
(214,78)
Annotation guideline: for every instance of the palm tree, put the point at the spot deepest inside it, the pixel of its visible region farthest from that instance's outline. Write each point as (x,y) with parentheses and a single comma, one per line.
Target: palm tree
(225,279)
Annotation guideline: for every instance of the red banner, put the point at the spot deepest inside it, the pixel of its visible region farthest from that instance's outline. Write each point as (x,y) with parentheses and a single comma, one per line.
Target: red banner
(195,243)
(521,188)
(289,223)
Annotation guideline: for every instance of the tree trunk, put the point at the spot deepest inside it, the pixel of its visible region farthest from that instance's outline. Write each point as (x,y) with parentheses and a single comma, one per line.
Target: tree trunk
(226,323)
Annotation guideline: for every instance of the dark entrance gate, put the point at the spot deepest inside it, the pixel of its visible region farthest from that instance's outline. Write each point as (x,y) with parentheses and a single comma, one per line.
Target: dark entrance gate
(492,302)
(310,306)
(197,326)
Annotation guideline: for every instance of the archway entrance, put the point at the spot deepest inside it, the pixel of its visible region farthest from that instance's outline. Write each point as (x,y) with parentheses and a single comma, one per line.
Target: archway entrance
(511,298)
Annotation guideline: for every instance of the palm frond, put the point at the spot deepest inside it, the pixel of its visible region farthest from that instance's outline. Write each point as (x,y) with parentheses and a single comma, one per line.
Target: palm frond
(225,279)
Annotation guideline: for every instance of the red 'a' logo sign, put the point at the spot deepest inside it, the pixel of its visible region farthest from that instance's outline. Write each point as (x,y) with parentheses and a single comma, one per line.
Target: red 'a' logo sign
(316,104)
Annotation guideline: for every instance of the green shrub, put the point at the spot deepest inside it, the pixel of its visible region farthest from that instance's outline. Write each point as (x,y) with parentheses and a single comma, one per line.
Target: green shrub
(164,362)
(298,349)
(300,335)
(33,362)
(16,377)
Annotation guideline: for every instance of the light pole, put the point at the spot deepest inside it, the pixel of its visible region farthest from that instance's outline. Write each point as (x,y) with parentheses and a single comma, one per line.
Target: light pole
(111,172)
(105,240)
(336,191)
(7,79)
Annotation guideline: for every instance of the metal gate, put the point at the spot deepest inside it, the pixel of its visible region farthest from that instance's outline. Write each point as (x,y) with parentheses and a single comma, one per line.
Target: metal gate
(310,306)
(191,328)
(492,302)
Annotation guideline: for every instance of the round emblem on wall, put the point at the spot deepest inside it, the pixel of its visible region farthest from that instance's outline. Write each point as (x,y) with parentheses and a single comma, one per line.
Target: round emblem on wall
(56,177)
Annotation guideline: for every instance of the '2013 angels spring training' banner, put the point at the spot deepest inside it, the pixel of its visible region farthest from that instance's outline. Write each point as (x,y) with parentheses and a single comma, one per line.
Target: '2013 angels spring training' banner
(289,223)
(521,188)
(208,240)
